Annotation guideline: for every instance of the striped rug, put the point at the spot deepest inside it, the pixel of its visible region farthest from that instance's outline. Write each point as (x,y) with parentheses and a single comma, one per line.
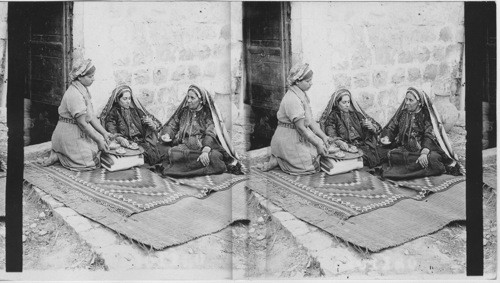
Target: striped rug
(344,195)
(128,191)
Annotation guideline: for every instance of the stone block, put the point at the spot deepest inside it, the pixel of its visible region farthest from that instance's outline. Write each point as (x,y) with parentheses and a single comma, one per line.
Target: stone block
(180,73)
(209,70)
(446,34)
(444,70)
(430,72)
(225,32)
(365,99)
(453,52)
(146,96)
(422,53)
(120,60)
(165,53)
(65,212)
(3,30)
(361,80)
(186,54)
(385,55)
(296,227)
(405,57)
(194,72)
(414,74)
(341,81)
(142,55)
(361,58)
(122,77)
(398,76)
(160,76)
(283,216)
(423,34)
(438,53)
(316,241)
(50,201)
(379,78)
(142,77)
(204,51)
(99,238)
(79,223)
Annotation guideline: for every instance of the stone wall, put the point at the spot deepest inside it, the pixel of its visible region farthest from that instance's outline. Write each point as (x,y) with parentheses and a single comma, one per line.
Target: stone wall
(3,80)
(159,49)
(378,49)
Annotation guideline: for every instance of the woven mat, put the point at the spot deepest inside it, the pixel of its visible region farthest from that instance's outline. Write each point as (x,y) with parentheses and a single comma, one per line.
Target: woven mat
(163,226)
(384,223)
(128,191)
(344,195)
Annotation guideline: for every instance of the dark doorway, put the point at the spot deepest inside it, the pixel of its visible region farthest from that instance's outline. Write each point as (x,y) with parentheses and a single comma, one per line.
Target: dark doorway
(44,55)
(490,79)
(266,35)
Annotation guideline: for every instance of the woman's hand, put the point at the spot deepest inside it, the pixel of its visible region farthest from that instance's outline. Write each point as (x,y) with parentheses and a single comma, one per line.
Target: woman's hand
(204,159)
(102,145)
(321,148)
(422,160)
(342,144)
(149,122)
(108,137)
(368,124)
(123,141)
(328,140)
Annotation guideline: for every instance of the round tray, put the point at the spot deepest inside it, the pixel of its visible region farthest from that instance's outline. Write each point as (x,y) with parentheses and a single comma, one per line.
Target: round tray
(348,155)
(128,151)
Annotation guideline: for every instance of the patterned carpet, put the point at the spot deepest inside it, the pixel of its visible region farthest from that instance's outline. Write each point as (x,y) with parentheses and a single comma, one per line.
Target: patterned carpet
(128,191)
(345,195)
(363,210)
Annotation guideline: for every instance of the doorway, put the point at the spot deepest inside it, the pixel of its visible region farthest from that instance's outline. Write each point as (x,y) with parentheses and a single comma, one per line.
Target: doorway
(44,55)
(267,52)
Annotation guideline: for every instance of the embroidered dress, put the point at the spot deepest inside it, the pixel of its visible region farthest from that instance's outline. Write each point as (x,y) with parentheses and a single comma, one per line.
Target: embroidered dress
(128,123)
(75,150)
(191,131)
(410,133)
(294,153)
(348,127)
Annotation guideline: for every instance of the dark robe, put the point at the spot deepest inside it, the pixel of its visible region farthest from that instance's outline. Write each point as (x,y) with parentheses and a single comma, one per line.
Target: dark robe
(410,133)
(348,127)
(128,124)
(191,131)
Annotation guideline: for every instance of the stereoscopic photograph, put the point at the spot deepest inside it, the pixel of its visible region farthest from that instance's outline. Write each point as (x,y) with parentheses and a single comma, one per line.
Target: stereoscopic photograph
(245,140)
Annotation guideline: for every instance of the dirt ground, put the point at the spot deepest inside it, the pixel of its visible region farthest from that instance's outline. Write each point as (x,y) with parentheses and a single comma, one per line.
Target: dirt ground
(257,249)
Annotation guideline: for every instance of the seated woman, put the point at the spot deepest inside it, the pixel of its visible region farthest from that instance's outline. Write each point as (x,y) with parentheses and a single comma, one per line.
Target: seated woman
(345,122)
(199,140)
(298,141)
(421,146)
(125,117)
(78,138)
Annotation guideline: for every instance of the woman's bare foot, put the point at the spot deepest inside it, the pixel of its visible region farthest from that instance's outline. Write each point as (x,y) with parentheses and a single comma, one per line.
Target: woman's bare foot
(272,163)
(49,160)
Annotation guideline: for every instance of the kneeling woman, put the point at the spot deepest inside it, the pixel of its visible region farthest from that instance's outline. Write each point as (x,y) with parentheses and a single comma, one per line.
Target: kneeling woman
(125,117)
(200,143)
(298,141)
(345,122)
(421,145)
(79,138)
